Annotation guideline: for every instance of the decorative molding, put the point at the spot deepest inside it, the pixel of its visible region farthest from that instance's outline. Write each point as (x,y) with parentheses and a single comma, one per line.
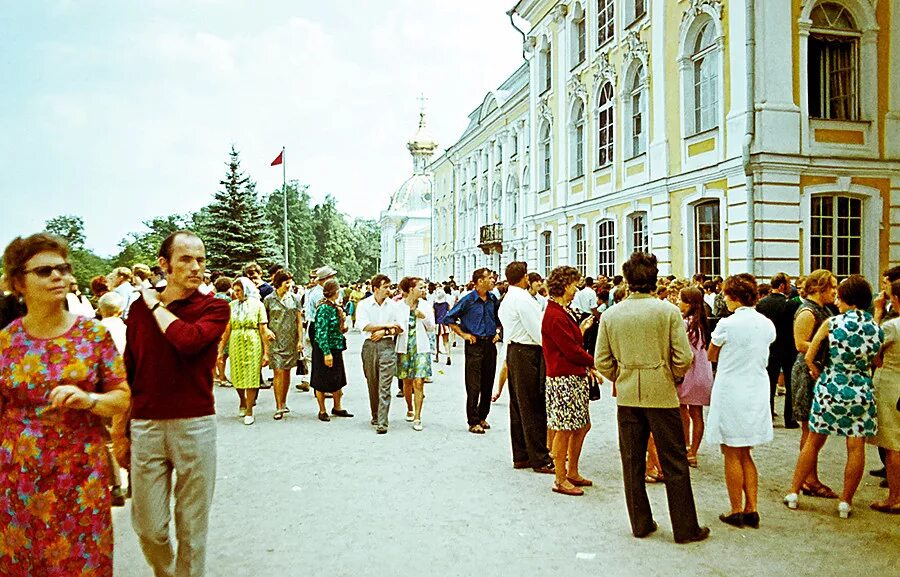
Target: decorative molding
(574,87)
(605,72)
(635,48)
(698,7)
(559,13)
(545,110)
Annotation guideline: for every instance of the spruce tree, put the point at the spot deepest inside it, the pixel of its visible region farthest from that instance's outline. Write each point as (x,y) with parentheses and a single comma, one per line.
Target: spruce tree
(235,228)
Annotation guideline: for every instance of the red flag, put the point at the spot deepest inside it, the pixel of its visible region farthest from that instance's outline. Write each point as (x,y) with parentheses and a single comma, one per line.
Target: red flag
(278,160)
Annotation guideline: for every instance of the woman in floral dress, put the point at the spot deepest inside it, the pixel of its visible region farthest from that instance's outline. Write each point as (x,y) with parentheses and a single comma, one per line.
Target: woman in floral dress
(285,322)
(413,347)
(59,376)
(843,397)
(247,336)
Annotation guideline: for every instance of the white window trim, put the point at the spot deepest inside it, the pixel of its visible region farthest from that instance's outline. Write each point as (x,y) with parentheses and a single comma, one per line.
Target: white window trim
(595,138)
(585,126)
(512,197)
(627,146)
(573,247)
(545,182)
(690,27)
(689,227)
(594,31)
(595,248)
(864,18)
(872,221)
(575,10)
(546,249)
(629,229)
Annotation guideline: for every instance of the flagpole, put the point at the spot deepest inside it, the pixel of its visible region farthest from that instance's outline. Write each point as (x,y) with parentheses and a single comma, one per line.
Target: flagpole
(284,194)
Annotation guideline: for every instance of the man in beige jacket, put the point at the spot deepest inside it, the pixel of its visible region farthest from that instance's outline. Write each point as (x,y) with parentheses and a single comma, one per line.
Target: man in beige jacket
(642,346)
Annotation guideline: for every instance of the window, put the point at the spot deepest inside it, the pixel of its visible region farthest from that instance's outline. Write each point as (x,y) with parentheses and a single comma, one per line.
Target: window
(513,217)
(640,9)
(496,199)
(546,69)
(548,253)
(836,234)
(579,38)
(498,154)
(545,157)
(605,125)
(636,110)
(514,145)
(640,240)
(577,140)
(605,21)
(579,249)
(707,238)
(833,66)
(606,248)
(704,66)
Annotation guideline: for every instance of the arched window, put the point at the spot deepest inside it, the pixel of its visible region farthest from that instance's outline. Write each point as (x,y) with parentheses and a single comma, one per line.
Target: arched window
(836,234)
(577,140)
(707,238)
(606,248)
(606,19)
(605,125)
(635,100)
(544,184)
(705,67)
(833,63)
(512,195)
(639,238)
(579,249)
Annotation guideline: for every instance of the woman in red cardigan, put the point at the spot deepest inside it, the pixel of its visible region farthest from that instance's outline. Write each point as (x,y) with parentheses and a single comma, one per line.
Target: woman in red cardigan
(568,367)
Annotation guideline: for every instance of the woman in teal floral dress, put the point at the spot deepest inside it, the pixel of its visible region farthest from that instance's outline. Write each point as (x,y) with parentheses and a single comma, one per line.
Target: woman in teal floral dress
(60,375)
(414,348)
(328,375)
(843,397)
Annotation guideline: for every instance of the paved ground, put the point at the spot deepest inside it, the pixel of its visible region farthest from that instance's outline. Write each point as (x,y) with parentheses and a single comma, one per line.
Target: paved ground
(301,497)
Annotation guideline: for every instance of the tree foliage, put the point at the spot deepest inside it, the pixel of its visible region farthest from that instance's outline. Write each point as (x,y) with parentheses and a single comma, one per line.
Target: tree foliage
(68,227)
(143,247)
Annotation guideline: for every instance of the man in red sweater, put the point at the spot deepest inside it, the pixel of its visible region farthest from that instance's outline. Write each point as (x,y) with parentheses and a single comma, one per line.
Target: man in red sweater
(172,346)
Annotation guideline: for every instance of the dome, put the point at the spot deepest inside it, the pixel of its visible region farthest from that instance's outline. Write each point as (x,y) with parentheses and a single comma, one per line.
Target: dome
(413,196)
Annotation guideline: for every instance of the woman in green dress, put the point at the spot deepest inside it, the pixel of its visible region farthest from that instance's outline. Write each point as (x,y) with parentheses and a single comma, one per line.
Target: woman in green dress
(283,310)
(248,338)
(328,375)
(414,347)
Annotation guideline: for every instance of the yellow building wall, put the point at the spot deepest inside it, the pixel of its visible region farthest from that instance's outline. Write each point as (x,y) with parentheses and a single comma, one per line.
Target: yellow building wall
(673,90)
(883,17)
(677,234)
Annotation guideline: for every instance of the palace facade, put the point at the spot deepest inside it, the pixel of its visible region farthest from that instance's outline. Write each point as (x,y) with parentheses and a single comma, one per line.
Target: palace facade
(723,136)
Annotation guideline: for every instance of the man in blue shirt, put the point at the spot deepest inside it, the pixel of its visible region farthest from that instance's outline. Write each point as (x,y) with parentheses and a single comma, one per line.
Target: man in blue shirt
(474,318)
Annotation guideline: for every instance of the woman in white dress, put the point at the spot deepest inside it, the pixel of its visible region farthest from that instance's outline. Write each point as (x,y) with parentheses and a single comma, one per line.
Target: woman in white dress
(739,413)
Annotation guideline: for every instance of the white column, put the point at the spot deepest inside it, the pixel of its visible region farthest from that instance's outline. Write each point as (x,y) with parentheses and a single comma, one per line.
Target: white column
(657,147)
(778,120)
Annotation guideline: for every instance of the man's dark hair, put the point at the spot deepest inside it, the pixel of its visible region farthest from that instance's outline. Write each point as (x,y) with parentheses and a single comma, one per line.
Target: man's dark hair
(478,273)
(856,291)
(892,274)
(379,279)
(516,271)
(588,281)
(534,277)
(281,277)
(165,249)
(617,280)
(274,268)
(699,278)
(641,272)
(780,280)
(742,288)
(222,284)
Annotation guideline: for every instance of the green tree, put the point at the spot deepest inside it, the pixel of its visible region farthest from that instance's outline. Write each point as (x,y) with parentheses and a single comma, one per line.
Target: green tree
(334,241)
(143,247)
(301,236)
(367,245)
(234,226)
(69,227)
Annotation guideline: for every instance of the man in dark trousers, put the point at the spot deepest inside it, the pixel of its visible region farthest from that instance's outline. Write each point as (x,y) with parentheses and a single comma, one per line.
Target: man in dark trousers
(780,309)
(474,318)
(642,347)
(521,317)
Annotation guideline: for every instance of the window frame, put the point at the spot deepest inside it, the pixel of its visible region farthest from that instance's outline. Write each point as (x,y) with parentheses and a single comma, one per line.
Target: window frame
(636,99)
(547,250)
(715,242)
(577,139)
(700,56)
(841,258)
(605,229)
(638,238)
(823,41)
(606,19)
(606,108)
(545,139)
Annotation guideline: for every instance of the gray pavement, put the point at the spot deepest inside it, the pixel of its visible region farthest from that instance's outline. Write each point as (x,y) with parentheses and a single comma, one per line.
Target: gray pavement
(301,497)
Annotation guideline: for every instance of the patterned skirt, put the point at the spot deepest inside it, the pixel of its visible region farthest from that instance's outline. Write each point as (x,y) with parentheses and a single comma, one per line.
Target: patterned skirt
(568,400)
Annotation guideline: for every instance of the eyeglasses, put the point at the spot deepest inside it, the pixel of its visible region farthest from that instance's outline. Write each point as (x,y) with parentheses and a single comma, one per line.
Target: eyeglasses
(65,269)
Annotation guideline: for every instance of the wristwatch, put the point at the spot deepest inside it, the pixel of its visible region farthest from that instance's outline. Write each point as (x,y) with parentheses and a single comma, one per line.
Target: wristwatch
(157,305)
(94,397)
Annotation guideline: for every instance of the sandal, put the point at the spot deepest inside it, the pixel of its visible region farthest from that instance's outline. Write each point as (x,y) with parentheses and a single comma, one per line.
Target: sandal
(580,482)
(692,461)
(279,414)
(821,490)
(884,507)
(653,478)
(574,491)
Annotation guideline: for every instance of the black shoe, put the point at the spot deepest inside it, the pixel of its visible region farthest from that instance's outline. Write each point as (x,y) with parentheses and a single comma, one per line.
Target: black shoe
(701,535)
(399,394)
(448,361)
(117,497)
(882,472)
(751,520)
(324,417)
(792,425)
(735,519)
(648,532)
(341,413)
(381,430)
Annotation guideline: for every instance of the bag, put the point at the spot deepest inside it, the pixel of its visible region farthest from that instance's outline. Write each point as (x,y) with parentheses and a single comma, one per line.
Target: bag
(302,369)
(594,390)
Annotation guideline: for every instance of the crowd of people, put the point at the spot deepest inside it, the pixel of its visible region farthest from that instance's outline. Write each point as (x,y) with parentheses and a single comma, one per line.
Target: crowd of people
(125,378)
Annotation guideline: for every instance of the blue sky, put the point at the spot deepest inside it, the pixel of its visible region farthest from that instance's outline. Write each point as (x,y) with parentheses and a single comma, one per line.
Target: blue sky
(118,111)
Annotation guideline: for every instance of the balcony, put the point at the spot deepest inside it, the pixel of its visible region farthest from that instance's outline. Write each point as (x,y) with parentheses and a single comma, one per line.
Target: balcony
(491,238)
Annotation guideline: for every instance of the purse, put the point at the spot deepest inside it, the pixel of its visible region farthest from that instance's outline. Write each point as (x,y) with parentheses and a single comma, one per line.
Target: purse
(594,389)
(302,369)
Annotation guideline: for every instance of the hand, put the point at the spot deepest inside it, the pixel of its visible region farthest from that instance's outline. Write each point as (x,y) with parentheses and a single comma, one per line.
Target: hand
(814,371)
(69,397)
(270,336)
(151,297)
(329,361)
(395,328)
(496,339)
(470,338)
(265,360)
(420,314)
(496,396)
(377,336)
(880,301)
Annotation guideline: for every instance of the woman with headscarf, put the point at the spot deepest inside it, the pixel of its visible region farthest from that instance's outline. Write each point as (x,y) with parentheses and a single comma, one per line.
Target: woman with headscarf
(247,338)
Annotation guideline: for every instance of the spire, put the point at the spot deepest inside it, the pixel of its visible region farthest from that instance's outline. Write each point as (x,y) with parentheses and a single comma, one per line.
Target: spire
(422,145)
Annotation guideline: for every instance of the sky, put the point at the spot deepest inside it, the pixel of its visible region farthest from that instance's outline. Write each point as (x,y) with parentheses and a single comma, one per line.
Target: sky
(121,111)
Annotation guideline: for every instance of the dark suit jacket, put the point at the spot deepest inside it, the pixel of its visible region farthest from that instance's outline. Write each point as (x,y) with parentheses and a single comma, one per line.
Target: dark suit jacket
(780,310)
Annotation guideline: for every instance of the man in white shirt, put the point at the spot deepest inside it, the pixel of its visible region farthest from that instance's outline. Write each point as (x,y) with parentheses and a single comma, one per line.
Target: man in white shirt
(377,316)
(521,317)
(585,300)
